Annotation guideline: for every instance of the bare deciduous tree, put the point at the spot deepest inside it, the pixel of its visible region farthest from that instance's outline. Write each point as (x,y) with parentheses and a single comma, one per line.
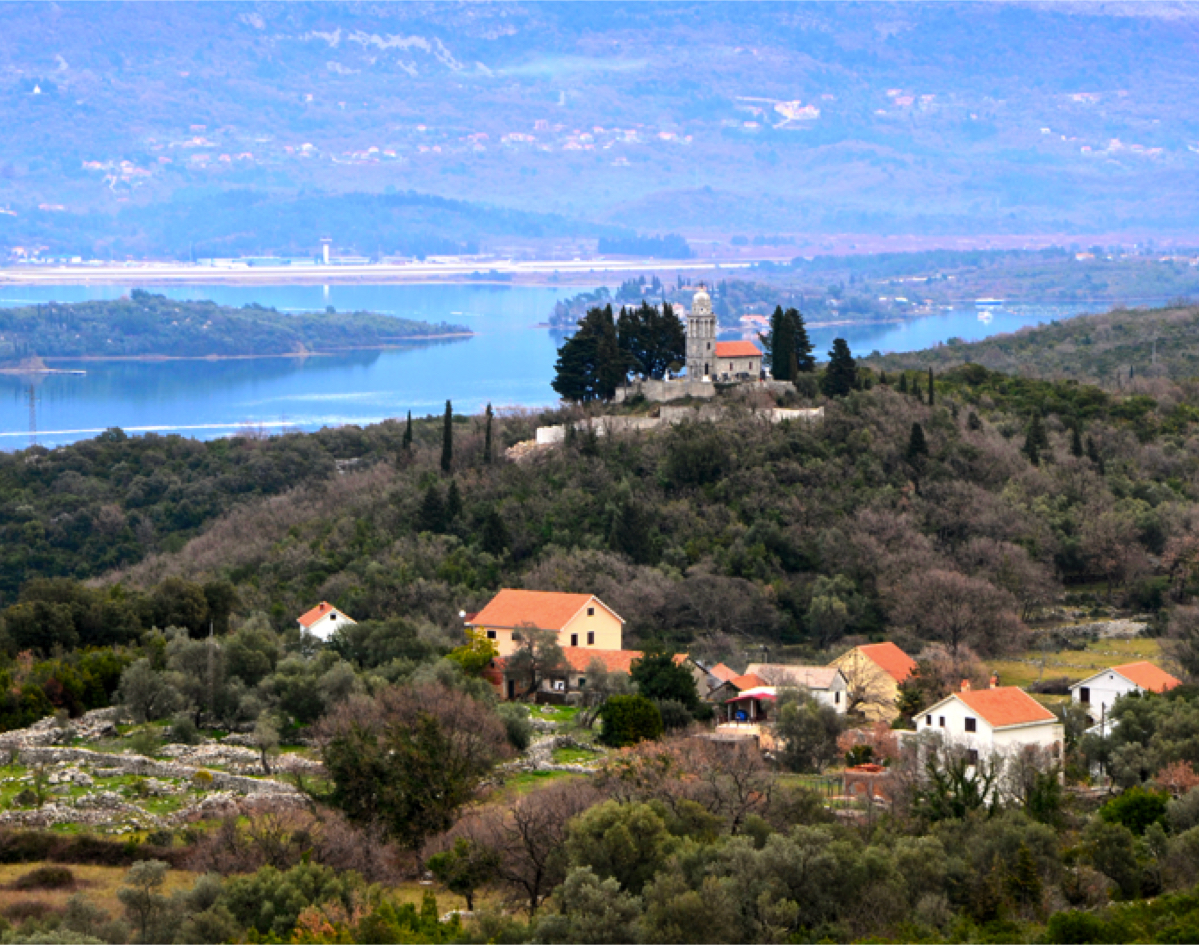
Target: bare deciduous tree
(949,607)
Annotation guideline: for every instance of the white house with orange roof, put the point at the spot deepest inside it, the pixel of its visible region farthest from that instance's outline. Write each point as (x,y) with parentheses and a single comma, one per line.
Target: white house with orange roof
(985,723)
(323,621)
(873,673)
(579,620)
(1099,691)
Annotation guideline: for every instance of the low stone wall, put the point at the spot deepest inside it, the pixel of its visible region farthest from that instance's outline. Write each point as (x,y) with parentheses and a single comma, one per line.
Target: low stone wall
(539,756)
(661,392)
(149,767)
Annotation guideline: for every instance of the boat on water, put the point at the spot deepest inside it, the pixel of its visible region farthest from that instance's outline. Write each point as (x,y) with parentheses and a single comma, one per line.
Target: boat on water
(985,317)
(988,303)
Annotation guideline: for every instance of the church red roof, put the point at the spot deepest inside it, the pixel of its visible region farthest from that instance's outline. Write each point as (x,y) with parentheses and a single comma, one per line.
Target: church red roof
(737,349)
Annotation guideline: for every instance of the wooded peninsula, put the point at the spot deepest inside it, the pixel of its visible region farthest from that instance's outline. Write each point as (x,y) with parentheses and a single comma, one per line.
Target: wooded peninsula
(149,325)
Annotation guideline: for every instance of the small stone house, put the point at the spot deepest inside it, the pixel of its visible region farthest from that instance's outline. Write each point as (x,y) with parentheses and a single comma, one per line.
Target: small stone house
(1099,691)
(737,361)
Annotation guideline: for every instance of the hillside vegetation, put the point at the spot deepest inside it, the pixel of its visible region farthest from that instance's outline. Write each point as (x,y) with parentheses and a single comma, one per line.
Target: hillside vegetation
(1113,350)
(146,325)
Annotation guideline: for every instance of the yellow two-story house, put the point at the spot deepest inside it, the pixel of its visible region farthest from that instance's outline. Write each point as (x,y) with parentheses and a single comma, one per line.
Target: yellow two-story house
(580,620)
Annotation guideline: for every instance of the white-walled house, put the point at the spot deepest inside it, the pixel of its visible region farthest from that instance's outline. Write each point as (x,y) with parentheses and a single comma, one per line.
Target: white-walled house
(989,722)
(1100,691)
(323,620)
(827,684)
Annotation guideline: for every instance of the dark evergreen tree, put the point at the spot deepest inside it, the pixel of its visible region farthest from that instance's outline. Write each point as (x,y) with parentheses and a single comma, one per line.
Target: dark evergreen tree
(630,533)
(801,344)
(903,382)
(1036,439)
(447,439)
(487,434)
(590,363)
(431,516)
(916,390)
(651,340)
(917,445)
(777,346)
(882,378)
(407,441)
(931,388)
(1076,442)
(453,502)
(972,421)
(494,534)
(841,375)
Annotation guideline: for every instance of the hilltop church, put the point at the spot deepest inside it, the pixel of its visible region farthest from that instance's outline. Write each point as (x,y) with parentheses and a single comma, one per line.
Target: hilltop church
(709,362)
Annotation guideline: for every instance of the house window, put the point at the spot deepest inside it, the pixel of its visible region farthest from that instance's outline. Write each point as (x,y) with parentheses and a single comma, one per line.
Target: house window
(591,638)
(590,611)
(1084,695)
(941,720)
(972,757)
(836,698)
(332,616)
(928,720)
(582,681)
(971,725)
(490,634)
(559,685)
(574,639)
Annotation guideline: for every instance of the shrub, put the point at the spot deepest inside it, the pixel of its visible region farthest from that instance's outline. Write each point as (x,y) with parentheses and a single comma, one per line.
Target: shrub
(675,715)
(46,877)
(515,717)
(24,909)
(1076,928)
(145,742)
(628,720)
(202,779)
(1136,809)
(183,730)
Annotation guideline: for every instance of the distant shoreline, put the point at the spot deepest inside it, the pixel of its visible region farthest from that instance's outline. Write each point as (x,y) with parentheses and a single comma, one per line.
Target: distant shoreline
(326,353)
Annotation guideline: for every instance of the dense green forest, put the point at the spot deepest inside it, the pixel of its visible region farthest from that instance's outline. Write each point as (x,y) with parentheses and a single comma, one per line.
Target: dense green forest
(146,324)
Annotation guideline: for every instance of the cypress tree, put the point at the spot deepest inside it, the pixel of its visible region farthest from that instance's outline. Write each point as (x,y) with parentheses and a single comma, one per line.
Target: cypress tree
(447,439)
(973,422)
(494,537)
(801,344)
(453,502)
(780,345)
(1035,439)
(882,378)
(630,533)
(1024,879)
(916,391)
(431,516)
(841,375)
(1076,443)
(407,441)
(903,382)
(487,435)
(917,445)
(931,394)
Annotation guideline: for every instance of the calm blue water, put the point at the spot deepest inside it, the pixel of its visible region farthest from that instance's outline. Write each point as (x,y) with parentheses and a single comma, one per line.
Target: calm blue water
(509,362)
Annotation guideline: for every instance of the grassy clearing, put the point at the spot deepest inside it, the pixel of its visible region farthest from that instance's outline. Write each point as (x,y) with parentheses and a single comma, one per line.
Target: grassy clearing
(562,714)
(574,756)
(528,781)
(98,883)
(1036,665)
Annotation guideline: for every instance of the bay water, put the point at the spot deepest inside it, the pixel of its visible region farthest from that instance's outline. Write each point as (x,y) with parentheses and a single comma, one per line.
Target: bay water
(508,362)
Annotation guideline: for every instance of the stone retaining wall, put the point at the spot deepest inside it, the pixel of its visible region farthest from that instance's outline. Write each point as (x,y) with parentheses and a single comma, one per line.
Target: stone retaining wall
(149,767)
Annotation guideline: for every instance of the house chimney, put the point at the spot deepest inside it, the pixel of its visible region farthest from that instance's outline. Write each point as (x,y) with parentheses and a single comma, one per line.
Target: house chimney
(965,685)
(994,680)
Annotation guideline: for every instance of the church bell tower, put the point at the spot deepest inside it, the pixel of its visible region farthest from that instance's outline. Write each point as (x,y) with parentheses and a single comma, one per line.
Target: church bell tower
(701,337)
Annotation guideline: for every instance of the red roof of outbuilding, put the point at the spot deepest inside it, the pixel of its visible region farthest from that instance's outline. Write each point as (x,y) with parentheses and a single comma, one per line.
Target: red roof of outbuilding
(1148,676)
(890,659)
(580,657)
(545,610)
(722,672)
(737,349)
(748,681)
(1006,705)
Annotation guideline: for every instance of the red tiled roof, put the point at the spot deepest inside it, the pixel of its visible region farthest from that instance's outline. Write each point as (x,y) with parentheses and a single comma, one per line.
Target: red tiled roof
(580,657)
(1148,676)
(722,672)
(890,659)
(1006,705)
(748,681)
(322,609)
(545,610)
(737,349)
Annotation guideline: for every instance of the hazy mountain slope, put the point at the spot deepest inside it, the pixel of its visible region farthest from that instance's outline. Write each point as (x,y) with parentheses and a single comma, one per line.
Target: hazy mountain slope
(870,117)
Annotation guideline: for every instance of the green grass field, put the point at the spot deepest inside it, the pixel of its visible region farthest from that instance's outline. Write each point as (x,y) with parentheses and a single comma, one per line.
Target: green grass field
(1036,665)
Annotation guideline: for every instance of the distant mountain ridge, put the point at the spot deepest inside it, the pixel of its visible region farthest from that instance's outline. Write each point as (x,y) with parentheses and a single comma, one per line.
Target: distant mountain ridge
(662,117)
